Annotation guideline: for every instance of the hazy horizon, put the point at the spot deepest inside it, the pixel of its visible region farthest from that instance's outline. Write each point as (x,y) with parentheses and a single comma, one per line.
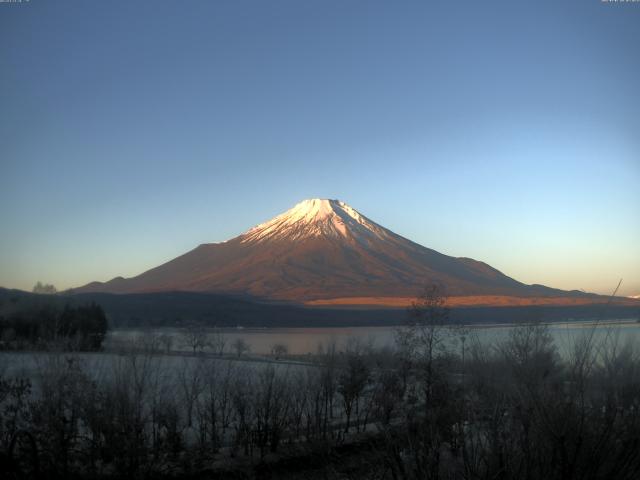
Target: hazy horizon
(135,131)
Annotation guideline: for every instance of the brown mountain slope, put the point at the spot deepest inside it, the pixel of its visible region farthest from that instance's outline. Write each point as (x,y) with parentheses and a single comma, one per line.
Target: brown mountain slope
(322,249)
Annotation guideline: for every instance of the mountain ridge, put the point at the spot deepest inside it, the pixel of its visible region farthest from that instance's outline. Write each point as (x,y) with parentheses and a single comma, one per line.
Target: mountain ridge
(322,249)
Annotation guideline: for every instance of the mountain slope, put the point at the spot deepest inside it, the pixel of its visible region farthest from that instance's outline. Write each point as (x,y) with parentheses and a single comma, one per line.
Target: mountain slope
(320,249)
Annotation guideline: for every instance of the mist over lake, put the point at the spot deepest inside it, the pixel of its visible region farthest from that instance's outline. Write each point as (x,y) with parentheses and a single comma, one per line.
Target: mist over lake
(303,341)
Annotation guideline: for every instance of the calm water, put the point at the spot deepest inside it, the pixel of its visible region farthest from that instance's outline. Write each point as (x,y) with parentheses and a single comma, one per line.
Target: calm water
(301,341)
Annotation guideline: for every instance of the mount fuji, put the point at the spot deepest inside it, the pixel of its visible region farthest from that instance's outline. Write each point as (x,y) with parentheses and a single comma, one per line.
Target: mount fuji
(326,252)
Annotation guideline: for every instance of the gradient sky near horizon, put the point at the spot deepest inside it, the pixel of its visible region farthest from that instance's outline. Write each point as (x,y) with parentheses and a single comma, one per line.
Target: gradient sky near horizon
(506,131)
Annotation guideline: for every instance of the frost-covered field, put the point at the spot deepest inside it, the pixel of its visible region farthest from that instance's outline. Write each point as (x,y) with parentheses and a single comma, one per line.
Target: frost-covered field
(106,365)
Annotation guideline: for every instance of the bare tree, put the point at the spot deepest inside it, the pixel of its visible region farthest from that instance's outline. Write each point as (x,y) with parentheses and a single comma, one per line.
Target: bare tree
(166,340)
(531,354)
(195,337)
(279,350)
(240,346)
(147,342)
(299,400)
(423,341)
(388,394)
(271,409)
(430,405)
(63,382)
(217,341)
(215,407)
(241,397)
(329,384)
(352,381)
(190,379)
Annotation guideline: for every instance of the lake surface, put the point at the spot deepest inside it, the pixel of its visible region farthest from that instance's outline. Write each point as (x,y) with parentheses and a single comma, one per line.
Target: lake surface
(301,341)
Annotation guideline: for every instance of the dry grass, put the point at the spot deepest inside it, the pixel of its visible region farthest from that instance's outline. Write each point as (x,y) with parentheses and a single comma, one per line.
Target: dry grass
(474,301)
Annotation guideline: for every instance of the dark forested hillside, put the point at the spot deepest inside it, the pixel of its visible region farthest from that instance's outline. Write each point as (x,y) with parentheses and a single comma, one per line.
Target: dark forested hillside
(177,308)
(34,320)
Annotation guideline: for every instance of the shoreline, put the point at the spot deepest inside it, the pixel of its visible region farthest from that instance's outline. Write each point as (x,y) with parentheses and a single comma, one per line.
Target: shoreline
(313,329)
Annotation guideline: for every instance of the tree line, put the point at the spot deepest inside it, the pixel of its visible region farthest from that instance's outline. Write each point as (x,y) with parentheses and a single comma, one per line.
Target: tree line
(81,327)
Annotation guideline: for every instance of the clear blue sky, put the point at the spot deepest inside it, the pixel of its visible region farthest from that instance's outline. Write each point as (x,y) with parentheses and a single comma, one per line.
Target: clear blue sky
(131,131)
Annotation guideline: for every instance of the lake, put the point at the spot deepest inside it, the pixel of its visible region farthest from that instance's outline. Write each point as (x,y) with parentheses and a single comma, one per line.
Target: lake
(301,341)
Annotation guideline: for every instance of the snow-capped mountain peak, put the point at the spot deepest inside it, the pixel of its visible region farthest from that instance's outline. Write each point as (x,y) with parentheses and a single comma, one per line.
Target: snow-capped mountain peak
(313,218)
(321,249)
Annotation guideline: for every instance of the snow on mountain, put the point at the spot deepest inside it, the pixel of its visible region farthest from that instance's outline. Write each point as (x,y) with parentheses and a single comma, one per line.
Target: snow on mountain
(316,217)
